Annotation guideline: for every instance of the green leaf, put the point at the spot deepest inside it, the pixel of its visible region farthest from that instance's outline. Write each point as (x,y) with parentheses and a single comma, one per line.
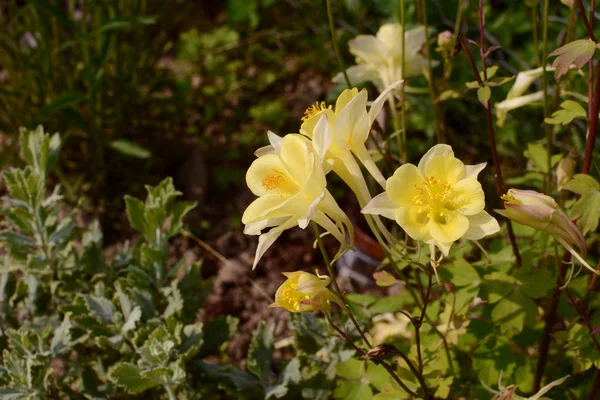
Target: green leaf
(136,214)
(443,389)
(587,211)
(133,317)
(62,102)
(17,243)
(537,284)
(260,352)
(130,149)
(498,285)
(131,378)
(538,155)
(483,95)
(237,383)
(217,332)
(512,312)
(289,376)
(352,390)
(582,183)
(193,336)
(100,307)
(61,341)
(461,273)
(569,110)
(179,212)
(578,52)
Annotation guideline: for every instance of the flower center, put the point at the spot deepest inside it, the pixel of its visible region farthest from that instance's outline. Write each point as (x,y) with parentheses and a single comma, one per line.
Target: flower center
(315,109)
(435,199)
(292,297)
(272,181)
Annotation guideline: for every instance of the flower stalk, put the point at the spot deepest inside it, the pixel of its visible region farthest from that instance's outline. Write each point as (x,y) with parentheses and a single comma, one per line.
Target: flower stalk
(492,140)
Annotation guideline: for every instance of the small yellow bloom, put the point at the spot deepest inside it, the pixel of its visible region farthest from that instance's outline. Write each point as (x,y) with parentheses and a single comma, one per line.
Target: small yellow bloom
(303,292)
(542,213)
(379,57)
(437,202)
(290,182)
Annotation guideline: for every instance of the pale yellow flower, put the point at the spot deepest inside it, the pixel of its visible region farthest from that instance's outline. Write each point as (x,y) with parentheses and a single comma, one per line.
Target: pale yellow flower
(542,213)
(379,57)
(303,292)
(291,186)
(437,202)
(516,97)
(349,126)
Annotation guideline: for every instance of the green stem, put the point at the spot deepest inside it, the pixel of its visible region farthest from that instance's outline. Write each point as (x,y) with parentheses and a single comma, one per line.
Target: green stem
(549,134)
(402,148)
(430,83)
(536,41)
(335,45)
(336,287)
(170,392)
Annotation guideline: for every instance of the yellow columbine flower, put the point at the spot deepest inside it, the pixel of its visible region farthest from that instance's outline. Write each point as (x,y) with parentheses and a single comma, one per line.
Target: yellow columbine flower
(349,126)
(437,202)
(379,57)
(303,291)
(291,186)
(542,213)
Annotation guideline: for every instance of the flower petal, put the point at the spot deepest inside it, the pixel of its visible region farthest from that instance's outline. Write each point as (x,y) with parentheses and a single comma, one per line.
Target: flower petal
(445,169)
(263,206)
(352,122)
(414,221)
(344,98)
(468,196)
(268,175)
(369,49)
(381,205)
(454,226)
(365,158)
(474,170)
(401,187)
(267,239)
(380,101)
(321,137)
(481,225)
(297,157)
(435,151)
(357,74)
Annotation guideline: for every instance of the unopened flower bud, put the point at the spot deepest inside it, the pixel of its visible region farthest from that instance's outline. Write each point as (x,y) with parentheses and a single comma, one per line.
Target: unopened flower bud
(445,42)
(542,213)
(303,291)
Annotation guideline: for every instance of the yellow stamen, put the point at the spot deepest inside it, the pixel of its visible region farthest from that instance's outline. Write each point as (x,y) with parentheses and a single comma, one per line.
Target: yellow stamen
(272,181)
(509,199)
(435,198)
(315,109)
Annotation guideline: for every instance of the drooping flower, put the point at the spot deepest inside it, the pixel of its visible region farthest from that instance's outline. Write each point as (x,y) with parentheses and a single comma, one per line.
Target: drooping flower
(349,126)
(379,58)
(542,213)
(437,202)
(291,186)
(303,291)
(516,97)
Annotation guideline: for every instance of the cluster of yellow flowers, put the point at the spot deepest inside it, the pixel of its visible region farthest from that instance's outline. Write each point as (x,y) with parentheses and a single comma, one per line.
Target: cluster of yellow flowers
(438,201)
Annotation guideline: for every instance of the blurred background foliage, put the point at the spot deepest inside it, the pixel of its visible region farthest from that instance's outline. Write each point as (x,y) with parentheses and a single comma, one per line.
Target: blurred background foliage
(143,89)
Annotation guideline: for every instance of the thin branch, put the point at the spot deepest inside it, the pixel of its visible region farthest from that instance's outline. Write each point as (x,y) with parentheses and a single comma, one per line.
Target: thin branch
(335,45)
(586,22)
